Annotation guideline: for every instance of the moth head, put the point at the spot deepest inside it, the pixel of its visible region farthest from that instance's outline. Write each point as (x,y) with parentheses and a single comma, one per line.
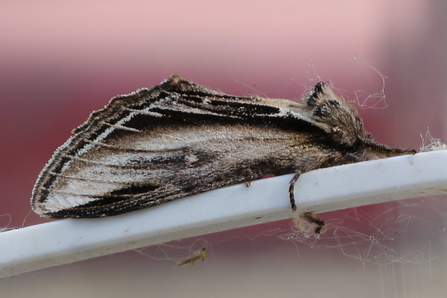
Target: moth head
(333,114)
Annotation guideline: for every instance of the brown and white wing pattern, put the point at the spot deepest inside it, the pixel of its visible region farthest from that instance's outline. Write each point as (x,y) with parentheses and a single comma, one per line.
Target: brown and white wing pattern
(180,138)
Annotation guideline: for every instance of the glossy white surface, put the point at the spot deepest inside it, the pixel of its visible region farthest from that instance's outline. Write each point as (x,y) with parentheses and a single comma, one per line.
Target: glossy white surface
(266,200)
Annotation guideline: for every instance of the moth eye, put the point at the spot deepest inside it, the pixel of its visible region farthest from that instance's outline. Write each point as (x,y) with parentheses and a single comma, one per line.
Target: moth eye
(338,130)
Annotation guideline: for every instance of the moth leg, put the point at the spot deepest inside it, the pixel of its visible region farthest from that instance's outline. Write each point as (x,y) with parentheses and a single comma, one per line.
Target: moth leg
(313,163)
(312,218)
(291,189)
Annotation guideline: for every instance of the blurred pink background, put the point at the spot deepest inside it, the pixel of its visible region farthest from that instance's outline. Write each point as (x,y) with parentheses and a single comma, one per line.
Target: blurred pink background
(61,60)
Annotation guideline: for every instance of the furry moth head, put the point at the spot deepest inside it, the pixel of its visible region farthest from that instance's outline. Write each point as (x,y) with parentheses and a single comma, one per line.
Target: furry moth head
(336,116)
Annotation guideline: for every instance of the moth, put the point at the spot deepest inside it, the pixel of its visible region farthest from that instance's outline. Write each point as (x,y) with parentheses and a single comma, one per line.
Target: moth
(180,138)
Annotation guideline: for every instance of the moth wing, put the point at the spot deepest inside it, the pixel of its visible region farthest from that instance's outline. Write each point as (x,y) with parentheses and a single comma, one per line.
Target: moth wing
(174,140)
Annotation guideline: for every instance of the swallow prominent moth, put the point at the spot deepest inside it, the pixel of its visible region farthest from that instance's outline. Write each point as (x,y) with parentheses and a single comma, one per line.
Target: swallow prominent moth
(179,138)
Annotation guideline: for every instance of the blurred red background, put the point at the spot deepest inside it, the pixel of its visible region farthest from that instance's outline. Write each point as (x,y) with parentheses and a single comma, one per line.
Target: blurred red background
(62,60)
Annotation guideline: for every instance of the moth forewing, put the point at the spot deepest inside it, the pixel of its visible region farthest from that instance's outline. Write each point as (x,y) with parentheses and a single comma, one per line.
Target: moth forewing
(180,138)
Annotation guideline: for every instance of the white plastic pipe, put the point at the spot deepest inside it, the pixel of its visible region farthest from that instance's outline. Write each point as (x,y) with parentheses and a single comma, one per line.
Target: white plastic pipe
(266,200)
